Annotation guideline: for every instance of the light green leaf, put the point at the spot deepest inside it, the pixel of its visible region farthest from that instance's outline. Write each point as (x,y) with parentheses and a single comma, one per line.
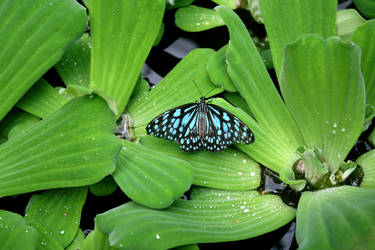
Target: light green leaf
(217,70)
(77,242)
(42,99)
(15,234)
(276,133)
(33,35)
(150,177)
(122,34)
(254,8)
(236,99)
(96,240)
(328,105)
(56,214)
(201,193)
(341,218)
(347,21)
(104,187)
(175,89)
(193,221)
(364,37)
(72,147)
(366,7)
(286,20)
(74,66)
(367,163)
(194,18)
(229,169)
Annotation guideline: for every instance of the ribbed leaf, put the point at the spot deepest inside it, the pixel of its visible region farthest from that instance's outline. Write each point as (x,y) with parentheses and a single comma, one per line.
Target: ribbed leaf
(229,169)
(274,123)
(175,89)
(367,163)
(151,178)
(56,214)
(194,18)
(122,34)
(336,218)
(15,234)
(200,193)
(42,99)
(217,70)
(364,37)
(286,20)
(33,35)
(74,146)
(328,105)
(347,21)
(74,66)
(132,226)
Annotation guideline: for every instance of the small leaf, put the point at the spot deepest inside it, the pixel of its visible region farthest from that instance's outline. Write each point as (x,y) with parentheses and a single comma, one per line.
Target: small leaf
(229,169)
(296,18)
(13,118)
(33,36)
(41,100)
(194,18)
(56,213)
(96,240)
(348,20)
(367,163)
(122,34)
(72,147)
(341,218)
(366,7)
(74,66)
(364,37)
(15,234)
(217,70)
(328,107)
(193,221)
(149,177)
(104,187)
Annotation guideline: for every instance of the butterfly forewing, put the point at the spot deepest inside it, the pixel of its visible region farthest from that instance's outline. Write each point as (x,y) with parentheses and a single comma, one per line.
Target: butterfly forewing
(179,124)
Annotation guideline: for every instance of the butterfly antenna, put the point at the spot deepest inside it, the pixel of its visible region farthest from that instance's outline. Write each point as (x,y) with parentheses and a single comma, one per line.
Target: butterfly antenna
(198,88)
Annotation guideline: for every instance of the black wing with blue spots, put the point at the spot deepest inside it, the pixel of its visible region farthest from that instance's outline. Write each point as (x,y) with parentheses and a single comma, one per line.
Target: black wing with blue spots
(179,124)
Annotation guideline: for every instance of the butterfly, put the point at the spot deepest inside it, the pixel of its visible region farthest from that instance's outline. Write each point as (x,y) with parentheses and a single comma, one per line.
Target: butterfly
(200,125)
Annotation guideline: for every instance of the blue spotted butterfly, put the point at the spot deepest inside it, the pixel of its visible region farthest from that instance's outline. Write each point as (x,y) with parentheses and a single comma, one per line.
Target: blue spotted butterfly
(200,125)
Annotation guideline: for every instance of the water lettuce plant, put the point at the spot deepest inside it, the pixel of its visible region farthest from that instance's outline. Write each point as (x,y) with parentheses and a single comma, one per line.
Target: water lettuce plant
(59,142)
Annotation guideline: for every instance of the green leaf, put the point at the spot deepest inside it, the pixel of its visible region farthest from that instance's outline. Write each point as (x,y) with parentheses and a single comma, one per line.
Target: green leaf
(56,214)
(15,234)
(104,187)
(233,4)
(217,70)
(366,7)
(254,8)
(33,35)
(236,99)
(74,66)
(367,163)
(72,147)
(347,21)
(364,37)
(194,18)
(276,133)
(172,4)
(96,240)
(340,218)
(328,107)
(41,100)
(229,169)
(149,177)
(175,89)
(13,118)
(77,242)
(122,34)
(286,20)
(200,193)
(186,247)
(193,221)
